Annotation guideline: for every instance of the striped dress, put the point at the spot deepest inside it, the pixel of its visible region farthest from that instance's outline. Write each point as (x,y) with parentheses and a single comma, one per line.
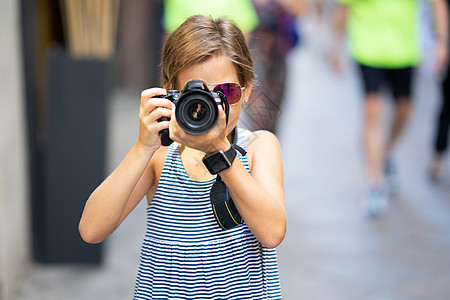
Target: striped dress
(186,255)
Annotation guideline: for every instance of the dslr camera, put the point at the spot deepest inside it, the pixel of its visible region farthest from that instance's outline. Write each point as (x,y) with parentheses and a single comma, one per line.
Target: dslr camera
(196,108)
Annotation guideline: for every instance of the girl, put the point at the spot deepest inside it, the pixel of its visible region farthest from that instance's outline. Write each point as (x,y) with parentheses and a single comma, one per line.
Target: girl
(185,253)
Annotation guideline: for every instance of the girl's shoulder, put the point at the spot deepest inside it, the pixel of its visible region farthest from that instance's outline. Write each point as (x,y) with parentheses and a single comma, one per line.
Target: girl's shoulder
(260,138)
(261,145)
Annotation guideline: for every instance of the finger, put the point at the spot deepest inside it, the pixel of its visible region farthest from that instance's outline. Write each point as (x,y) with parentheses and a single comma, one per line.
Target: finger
(158,113)
(150,93)
(221,112)
(154,103)
(222,120)
(162,125)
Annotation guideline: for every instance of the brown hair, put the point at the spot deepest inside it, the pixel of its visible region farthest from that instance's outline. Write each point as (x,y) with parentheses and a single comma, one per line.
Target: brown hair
(200,38)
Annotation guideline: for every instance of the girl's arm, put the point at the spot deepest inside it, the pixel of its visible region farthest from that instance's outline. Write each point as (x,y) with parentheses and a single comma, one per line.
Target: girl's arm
(259,197)
(119,194)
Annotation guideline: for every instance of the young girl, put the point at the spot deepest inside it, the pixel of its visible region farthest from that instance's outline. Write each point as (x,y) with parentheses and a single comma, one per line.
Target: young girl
(185,253)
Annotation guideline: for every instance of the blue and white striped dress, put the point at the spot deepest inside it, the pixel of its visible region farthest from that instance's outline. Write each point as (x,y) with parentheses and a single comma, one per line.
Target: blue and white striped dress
(186,255)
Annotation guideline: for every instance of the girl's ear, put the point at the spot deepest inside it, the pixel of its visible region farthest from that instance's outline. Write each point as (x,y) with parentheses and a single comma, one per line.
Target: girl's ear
(248,89)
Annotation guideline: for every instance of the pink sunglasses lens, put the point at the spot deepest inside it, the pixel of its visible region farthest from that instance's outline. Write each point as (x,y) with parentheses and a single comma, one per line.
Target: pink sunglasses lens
(231,90)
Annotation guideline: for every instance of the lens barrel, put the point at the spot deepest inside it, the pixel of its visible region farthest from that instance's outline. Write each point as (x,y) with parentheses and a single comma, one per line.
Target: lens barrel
(196,111)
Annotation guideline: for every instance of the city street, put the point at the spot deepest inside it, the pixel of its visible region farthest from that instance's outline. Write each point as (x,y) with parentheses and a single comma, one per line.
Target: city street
(332,251)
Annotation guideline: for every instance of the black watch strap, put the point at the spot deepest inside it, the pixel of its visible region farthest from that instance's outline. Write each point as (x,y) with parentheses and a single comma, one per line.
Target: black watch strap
(220,161)
(230,154)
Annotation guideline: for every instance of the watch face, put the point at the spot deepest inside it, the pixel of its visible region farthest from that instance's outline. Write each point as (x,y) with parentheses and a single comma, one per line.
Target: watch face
(216,163)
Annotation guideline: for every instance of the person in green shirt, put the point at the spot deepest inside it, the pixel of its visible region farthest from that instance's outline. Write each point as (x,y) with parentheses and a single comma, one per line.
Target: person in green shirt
(383,41)
(241,12)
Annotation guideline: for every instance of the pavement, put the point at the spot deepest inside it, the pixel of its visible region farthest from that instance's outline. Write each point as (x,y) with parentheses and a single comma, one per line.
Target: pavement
(332,251)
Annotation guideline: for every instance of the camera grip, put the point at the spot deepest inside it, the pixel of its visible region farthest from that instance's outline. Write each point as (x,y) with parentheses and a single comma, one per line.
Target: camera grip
(165,137)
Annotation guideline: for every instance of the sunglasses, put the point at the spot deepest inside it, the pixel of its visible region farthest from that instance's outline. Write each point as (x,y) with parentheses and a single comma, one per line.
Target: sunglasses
(233,91)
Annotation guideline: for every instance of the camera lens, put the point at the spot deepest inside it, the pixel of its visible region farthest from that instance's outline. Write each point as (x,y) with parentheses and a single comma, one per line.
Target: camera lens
(196,112)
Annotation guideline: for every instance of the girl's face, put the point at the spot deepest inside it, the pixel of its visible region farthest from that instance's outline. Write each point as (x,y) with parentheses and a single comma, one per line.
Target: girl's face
(217,69)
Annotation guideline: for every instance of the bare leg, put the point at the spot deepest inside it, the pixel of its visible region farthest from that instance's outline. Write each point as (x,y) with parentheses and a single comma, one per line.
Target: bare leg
(372,137)
(401,117)
(436,166)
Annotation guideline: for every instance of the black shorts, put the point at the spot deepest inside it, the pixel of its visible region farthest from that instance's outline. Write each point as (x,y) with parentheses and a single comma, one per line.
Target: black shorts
(398,80)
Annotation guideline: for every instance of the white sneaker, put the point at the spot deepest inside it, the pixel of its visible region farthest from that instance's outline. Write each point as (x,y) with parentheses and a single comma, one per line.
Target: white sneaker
(390,172)
(375,202)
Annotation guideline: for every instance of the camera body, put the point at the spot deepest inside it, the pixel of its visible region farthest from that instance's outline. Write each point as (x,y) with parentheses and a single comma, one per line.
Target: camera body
(196,108)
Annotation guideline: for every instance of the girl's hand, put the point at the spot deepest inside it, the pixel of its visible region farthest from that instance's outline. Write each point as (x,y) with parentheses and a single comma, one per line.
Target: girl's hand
(210,142)
(150,111)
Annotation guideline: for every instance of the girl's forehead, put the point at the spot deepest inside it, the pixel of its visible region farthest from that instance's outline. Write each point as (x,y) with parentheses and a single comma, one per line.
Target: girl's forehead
(217,69)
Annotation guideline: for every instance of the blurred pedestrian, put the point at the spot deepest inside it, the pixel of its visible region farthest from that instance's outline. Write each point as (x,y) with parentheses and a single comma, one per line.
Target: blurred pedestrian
(241,12)
(275,36)
(186,253)
(443,124)
(383,41)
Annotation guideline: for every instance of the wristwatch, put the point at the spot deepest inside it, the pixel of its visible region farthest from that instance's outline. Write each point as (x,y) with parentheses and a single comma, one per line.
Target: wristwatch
(220,161)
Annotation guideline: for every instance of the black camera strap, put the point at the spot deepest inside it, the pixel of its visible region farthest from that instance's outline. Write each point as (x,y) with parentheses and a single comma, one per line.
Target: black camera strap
(226,108)
(225,212)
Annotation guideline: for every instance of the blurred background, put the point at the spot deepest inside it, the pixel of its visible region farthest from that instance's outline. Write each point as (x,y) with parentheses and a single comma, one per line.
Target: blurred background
(71,75)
